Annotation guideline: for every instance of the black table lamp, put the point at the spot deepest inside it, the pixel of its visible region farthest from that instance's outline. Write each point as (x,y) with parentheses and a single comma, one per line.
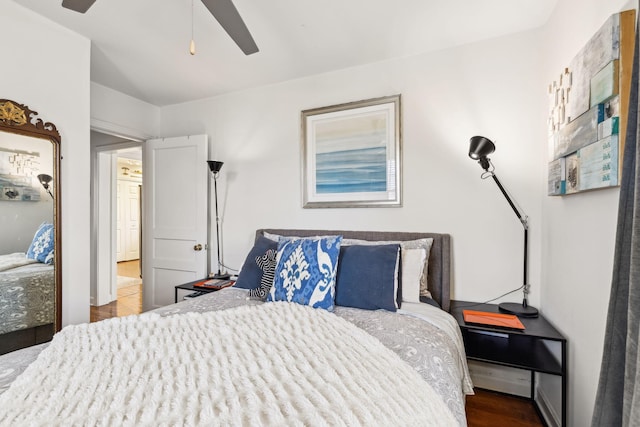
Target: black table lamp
(479,148)
(215,169)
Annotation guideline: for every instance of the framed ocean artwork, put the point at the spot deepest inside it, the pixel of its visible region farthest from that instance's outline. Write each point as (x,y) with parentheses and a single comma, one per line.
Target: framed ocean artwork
(351,155)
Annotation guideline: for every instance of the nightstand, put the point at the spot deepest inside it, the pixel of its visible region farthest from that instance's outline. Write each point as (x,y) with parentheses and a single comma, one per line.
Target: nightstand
(526,349)
(189,287)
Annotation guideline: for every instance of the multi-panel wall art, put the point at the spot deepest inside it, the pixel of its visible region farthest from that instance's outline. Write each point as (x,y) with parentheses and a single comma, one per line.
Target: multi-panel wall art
(17,175)
(588,108)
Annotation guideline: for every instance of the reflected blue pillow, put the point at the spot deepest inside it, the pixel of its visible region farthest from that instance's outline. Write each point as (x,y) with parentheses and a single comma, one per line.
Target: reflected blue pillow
(41,248)
(251,274)
(306,271)
(366,277)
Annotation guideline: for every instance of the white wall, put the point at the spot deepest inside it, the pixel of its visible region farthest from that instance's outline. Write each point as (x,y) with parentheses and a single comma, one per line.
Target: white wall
(115,113)
(447,97)
(578,230)
(46,67)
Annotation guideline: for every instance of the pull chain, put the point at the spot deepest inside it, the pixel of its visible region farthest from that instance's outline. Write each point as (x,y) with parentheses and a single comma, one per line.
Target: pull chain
(192,45)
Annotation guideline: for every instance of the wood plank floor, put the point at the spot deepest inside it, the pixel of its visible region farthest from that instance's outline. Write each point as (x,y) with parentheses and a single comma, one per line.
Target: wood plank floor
(129,268)
(491,409)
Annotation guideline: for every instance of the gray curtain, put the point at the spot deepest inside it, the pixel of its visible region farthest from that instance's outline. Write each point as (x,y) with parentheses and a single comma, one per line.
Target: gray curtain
(618,396)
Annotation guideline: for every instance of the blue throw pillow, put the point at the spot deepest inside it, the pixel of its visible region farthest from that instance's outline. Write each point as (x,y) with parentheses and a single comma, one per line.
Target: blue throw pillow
(41,248)
(306,271)
(251,274)
(366,277)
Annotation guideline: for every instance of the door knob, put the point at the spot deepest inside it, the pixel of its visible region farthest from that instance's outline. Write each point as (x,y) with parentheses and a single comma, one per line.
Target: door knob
(197,247)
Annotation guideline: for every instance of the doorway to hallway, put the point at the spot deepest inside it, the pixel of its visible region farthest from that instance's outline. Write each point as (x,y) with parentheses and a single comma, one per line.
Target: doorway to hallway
(129,291)
(116,222)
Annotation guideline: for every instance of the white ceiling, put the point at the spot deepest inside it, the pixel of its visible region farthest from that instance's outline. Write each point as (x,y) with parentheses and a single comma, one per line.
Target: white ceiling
(141,47)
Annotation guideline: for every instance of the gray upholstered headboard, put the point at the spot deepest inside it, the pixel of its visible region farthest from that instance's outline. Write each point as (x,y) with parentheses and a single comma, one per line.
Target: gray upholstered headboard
(439,277)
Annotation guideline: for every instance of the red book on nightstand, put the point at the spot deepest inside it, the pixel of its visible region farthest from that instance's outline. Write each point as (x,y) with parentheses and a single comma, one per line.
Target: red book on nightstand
(492,319)
(214,284)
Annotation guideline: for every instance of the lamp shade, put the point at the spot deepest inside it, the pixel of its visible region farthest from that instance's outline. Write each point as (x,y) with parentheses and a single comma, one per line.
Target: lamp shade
(215,166)
(480,147)
(44,180)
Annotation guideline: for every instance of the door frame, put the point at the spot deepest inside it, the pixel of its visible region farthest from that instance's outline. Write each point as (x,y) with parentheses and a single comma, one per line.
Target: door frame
(103,249)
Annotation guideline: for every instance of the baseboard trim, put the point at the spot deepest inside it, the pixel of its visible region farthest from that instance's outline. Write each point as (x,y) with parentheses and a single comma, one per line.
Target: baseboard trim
(502,379)
(546,409)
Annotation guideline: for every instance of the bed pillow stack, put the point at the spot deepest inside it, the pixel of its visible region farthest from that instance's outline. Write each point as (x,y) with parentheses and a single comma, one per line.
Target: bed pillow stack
(369,275)
(413,271)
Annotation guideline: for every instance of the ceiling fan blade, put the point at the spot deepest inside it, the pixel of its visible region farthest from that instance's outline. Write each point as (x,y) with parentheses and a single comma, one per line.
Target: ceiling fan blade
(227,15)
(78,5)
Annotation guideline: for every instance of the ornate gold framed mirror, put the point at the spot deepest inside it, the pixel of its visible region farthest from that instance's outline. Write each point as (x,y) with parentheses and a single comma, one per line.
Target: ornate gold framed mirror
(30,249)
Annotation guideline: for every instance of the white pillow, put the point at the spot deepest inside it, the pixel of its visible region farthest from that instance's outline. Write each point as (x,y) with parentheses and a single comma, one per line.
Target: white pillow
(277,237)
(412,267)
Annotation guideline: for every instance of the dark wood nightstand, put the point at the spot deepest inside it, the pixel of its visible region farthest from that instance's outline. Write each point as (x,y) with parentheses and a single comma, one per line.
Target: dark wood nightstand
(517,349)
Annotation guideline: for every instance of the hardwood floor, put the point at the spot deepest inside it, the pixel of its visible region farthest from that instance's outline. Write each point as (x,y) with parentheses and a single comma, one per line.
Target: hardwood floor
(491,409)
(129,268)
(129,297)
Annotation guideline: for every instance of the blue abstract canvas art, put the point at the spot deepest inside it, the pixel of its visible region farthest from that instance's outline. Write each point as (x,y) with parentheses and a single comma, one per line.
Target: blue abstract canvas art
(351,154)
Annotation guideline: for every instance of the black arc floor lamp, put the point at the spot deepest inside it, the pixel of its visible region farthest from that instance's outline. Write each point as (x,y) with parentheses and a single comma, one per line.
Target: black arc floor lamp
(479,148)
(44,181)
(215,167)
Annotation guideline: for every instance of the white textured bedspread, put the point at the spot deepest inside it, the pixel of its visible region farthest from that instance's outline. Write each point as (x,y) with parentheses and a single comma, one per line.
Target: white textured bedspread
(270,364)
(17,259)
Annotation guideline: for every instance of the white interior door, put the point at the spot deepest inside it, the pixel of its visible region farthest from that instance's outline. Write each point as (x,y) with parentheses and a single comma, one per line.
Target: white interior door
(175,216)
(132,221)
(128,221)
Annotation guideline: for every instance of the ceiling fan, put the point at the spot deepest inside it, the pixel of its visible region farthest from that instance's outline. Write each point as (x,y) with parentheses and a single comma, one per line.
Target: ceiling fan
(223,10)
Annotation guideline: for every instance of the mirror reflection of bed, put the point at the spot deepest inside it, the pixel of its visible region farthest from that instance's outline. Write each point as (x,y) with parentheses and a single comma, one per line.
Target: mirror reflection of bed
(27,277)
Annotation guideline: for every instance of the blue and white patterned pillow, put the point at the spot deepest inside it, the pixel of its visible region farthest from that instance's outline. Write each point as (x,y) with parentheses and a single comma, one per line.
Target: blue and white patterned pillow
(306,271)
(41,248)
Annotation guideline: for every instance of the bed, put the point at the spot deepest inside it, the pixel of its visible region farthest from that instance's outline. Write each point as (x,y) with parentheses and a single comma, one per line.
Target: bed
(228,357)
(27,308)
